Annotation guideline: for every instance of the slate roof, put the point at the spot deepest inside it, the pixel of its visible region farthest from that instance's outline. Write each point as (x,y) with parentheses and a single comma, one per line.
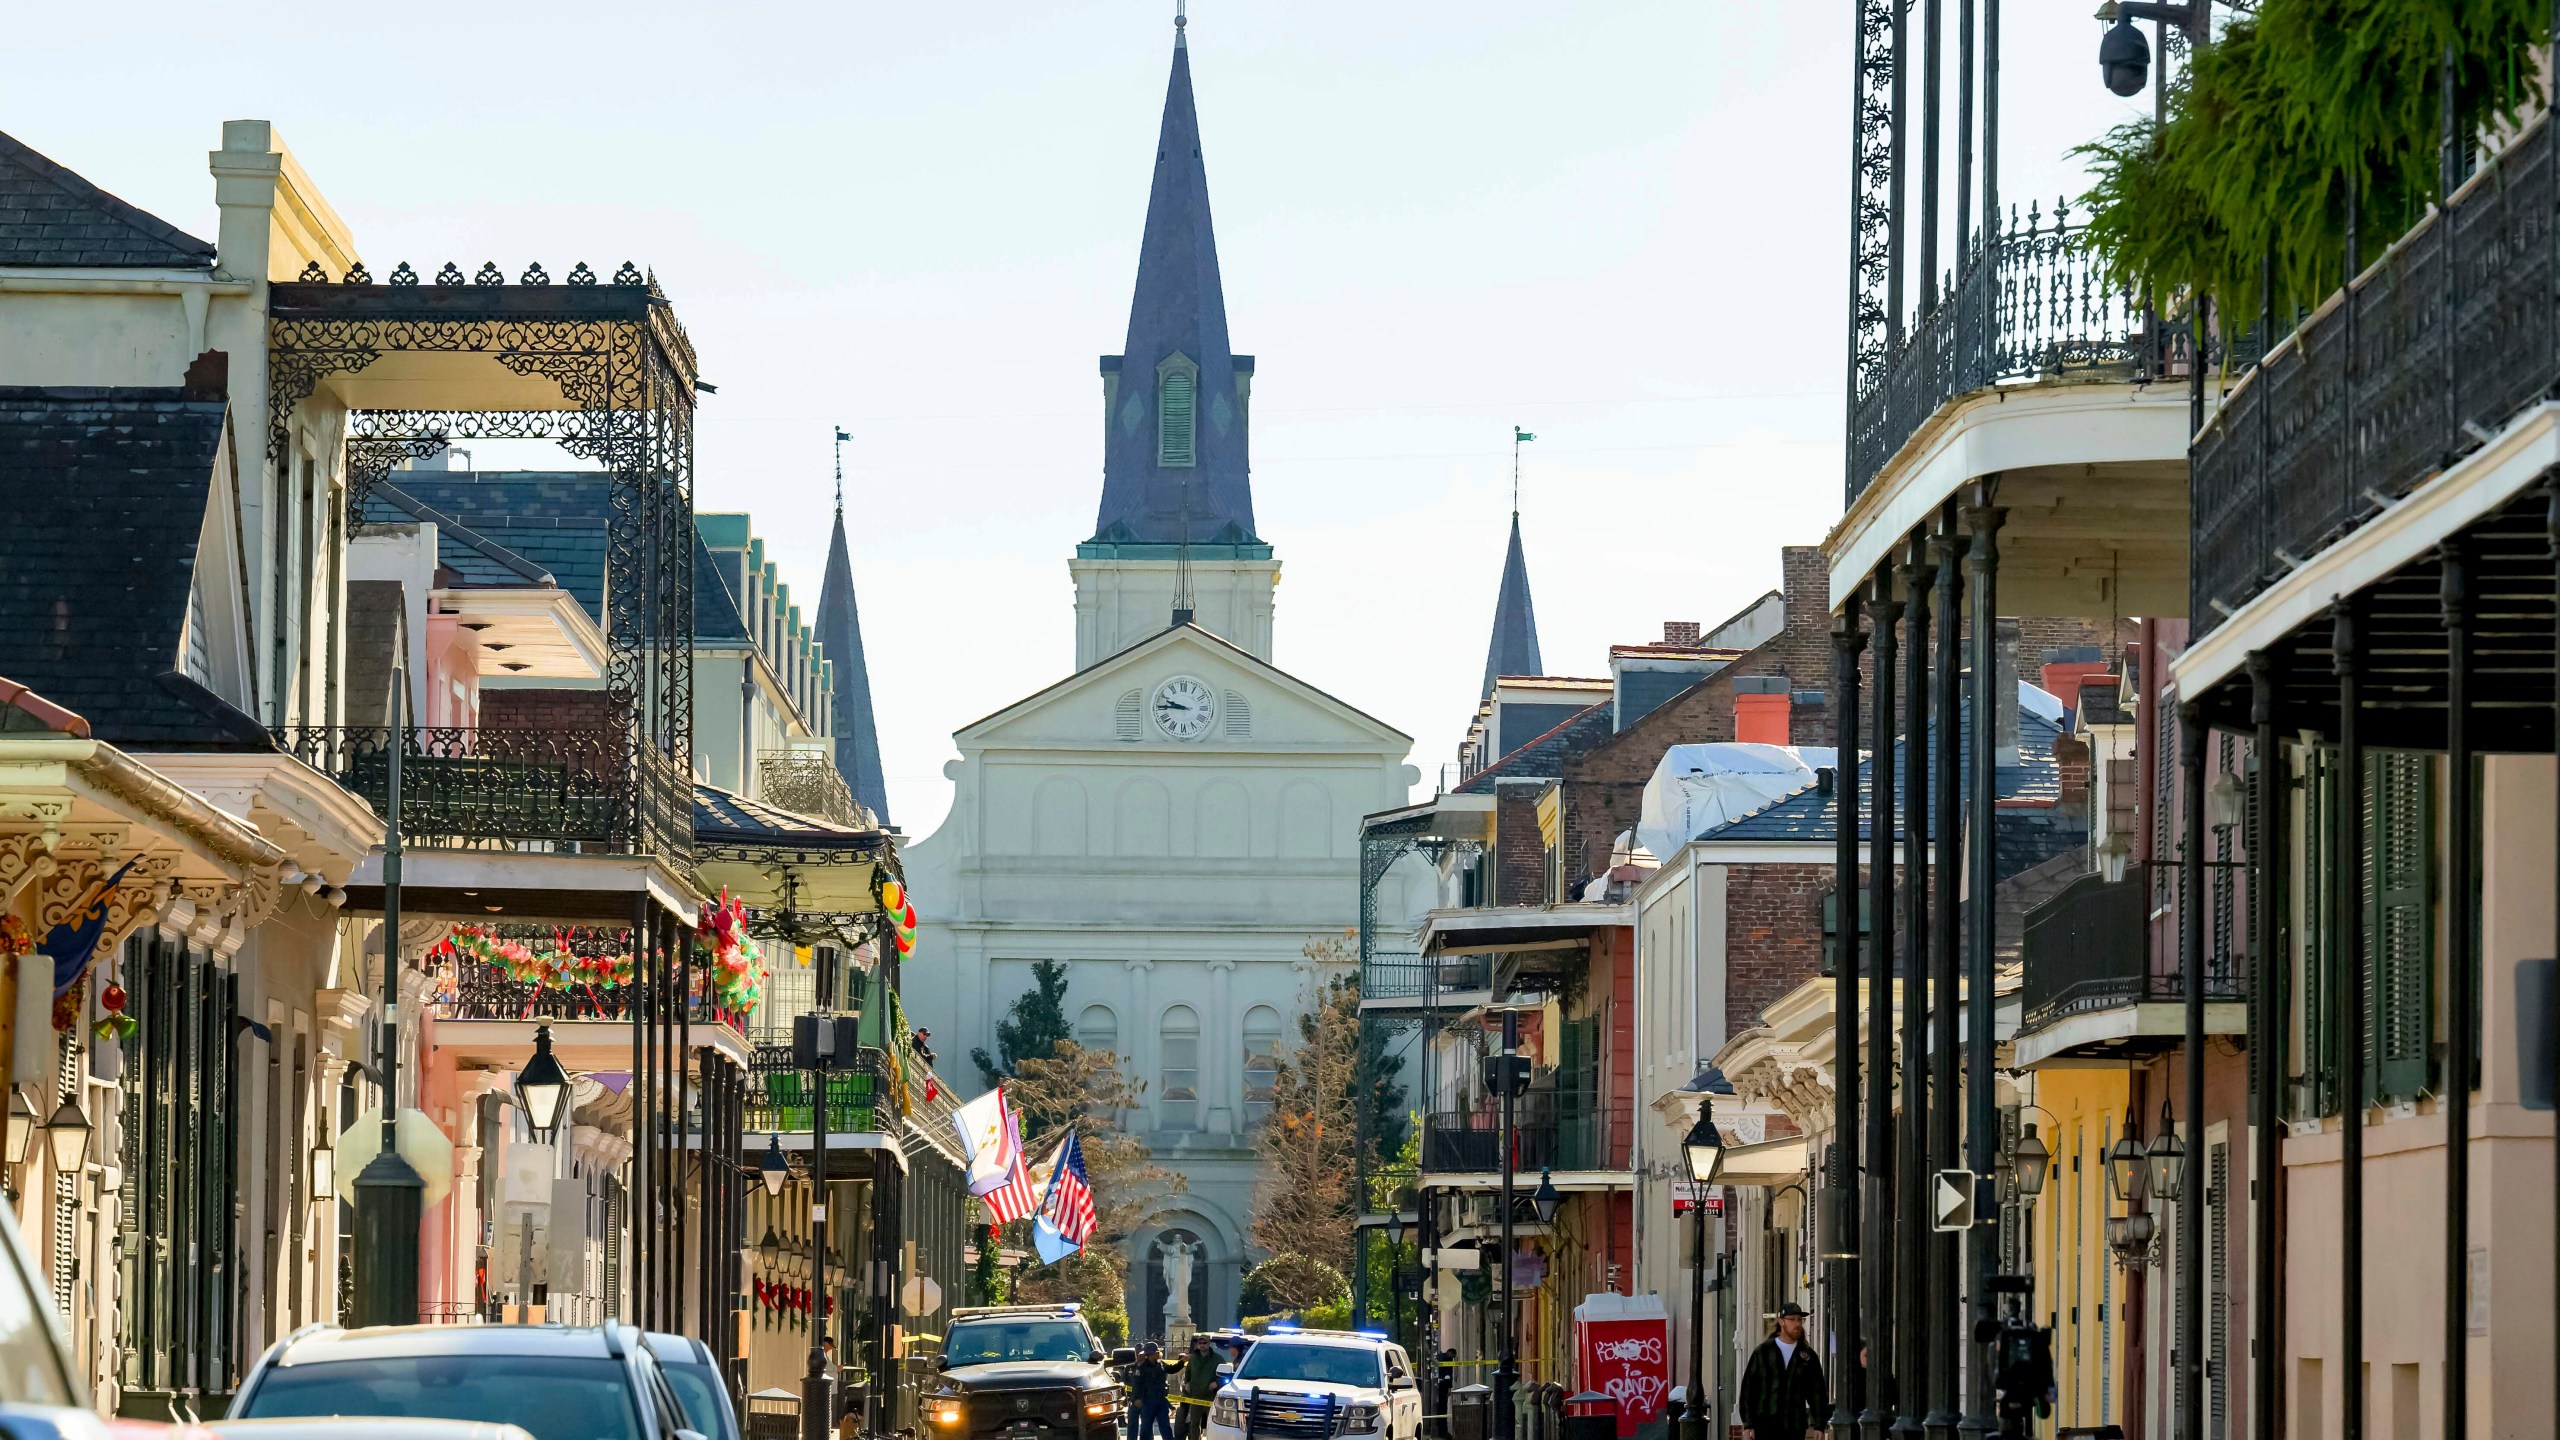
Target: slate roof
(107,490)
(857,734)
(1543,757)
(553,520)
(715,611)
(49,216)
(2030,834)
(725,818)
(1514,647)
(474,559)
(1179,307)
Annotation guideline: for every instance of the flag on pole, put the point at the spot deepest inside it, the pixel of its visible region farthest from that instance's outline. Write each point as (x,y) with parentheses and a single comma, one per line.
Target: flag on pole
(1069,1205)
(992,1143)
(1013,1197)
(1518,435)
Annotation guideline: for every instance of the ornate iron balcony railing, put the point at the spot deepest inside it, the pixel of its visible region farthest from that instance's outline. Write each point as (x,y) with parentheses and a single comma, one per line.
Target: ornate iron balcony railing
(782,1097)
(484,992)
(510,789)
(1556,1125)
(2431,350)
(2089,948)
(2030,304)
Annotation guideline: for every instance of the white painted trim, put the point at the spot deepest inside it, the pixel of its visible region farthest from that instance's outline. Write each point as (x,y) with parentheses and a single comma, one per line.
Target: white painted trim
(2437,510)
(2014,427)
(2156,1018)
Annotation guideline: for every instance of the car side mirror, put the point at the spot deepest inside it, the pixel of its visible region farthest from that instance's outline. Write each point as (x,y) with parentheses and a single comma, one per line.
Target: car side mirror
(941,1362)
(1125,1355)
(1093,1357)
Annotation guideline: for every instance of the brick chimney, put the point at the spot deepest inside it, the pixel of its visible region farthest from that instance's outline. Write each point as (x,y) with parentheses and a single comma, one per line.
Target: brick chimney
(1762,710)
(1680,632)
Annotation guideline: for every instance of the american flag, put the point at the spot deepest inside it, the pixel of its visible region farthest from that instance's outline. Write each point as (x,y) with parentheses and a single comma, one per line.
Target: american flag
(1017,1196)
(1069,1206)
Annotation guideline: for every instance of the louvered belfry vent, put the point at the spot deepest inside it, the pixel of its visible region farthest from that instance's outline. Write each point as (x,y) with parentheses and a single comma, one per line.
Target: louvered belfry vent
(1132,716)
(1176,419)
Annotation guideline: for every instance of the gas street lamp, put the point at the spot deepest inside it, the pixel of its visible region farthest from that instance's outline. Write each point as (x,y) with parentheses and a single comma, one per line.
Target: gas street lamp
(542,1086)
(1703,1149)
(1546,1200)
(2168,1160)
(2124,1163)
(773,1169)
(68,1133)
(2028,1162)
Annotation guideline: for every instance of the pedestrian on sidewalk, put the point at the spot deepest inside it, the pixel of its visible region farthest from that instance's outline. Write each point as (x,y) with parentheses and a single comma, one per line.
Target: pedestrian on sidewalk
(1784,1396)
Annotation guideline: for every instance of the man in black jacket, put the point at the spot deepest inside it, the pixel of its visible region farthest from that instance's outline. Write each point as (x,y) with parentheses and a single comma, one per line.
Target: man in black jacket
(1783,1393)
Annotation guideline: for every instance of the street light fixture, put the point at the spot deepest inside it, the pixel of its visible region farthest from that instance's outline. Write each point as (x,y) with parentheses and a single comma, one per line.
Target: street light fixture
(1703,1147)
(542,1086)
(22,1128)
(2125,1162)
(773,1169)
(68,1133)
(324,1167)
(2226,802)
(1547,1199)
(769,1249)
(2168,1158)
(2028,1162)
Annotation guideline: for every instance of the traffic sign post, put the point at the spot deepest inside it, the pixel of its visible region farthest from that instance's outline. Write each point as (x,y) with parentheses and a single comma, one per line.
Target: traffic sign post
(1951,1200)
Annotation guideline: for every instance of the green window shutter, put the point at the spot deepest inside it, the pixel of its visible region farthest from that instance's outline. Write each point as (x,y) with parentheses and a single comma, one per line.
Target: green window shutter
(1176,418)
(2316,1089)
(2399,974)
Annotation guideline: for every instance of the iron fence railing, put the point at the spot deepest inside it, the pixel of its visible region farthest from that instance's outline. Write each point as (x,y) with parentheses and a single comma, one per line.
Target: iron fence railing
(1407,975)
(510,789)
(1555,1126)
(485,992)
(783,1097)
(2089,948)
(2431,349)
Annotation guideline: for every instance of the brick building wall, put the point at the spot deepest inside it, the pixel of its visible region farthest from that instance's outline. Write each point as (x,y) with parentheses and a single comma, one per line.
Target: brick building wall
(1773,935)
(1519,854)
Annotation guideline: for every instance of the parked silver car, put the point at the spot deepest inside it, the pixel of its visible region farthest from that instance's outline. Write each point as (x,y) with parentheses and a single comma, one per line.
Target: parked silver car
(554,1382)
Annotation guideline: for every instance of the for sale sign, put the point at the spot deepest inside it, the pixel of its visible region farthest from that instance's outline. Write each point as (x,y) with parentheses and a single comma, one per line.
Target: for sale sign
(1622,1349)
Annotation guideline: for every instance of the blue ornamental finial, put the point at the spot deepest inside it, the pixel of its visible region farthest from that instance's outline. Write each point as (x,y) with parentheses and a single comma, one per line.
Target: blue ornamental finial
(1181,19)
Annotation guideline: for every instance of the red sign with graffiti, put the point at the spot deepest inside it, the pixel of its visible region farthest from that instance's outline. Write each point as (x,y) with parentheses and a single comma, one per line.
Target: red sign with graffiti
(1628,1360)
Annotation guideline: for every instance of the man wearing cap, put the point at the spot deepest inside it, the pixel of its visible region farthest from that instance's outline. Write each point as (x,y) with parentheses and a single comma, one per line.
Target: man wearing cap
(1147,1394)
(1783,1393)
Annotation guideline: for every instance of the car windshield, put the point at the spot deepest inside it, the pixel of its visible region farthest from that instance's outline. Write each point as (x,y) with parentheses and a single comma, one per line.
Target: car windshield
(1329,1364)
(698,1391)
(555,1397)
(990,1341)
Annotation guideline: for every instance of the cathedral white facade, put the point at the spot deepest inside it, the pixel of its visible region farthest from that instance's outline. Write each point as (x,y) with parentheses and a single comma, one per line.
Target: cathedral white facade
(1177,819)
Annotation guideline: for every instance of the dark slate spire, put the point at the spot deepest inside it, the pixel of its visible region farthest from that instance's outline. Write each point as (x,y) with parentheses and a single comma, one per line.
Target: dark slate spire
(1514,650)
(840,631)
(1177,326)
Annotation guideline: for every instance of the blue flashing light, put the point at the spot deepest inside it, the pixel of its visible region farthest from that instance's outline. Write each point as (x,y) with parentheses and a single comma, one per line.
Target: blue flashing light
(1282,1327)
(1373,1334)
(1072,1306)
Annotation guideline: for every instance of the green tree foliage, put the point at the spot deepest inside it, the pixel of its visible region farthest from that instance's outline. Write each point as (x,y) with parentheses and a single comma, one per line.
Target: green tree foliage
(986,1272)
(1086,1089)
(1032,1028)
(2274,120)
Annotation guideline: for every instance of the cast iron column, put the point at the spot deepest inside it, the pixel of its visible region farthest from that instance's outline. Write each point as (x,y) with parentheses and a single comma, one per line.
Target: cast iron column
(391,1195)
(1877,1265)
(1946,795)
(1911,1280)
(817,1397)
(1506,1376)
(1840,1240)
(2191,907)
(2267,868)
(1993,696)
(2462,997)
(643,940)
(2347,828)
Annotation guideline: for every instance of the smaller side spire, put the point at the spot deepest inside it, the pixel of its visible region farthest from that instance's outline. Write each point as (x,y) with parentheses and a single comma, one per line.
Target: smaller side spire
(1514,647)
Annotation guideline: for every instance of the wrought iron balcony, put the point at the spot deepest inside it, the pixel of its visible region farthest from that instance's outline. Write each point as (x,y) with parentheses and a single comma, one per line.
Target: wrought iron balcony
(1556,1126)
(2031,304)
(484,992)
(575,790)
(783,1097)
(2431,350)
(1406,975)
(2089,949)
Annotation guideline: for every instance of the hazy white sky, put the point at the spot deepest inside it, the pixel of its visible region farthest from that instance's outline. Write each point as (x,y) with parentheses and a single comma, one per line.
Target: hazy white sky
(1619,225)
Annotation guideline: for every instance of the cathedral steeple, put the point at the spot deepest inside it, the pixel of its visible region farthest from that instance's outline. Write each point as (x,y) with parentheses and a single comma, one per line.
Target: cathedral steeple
(1176,397)
(857,737)
(1514,648)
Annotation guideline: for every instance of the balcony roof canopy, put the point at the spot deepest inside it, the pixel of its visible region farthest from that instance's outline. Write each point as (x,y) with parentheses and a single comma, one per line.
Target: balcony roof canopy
(1519,929)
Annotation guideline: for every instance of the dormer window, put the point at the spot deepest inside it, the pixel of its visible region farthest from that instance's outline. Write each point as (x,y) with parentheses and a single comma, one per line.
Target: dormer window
(1177,412)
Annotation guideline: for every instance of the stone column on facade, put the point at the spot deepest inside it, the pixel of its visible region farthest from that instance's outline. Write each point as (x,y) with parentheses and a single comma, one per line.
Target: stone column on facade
(1223,1033)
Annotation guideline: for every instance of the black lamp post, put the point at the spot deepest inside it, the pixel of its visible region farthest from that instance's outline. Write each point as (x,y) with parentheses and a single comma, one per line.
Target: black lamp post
(391,1196)
(1507,1074)
(1395,1274)
(1703,1148)
(542,1087)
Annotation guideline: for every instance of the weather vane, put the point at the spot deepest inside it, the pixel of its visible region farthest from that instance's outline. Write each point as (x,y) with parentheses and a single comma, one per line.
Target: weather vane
(841,437)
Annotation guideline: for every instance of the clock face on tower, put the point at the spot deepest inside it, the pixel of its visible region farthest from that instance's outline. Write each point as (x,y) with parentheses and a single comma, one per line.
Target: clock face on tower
(1184,708)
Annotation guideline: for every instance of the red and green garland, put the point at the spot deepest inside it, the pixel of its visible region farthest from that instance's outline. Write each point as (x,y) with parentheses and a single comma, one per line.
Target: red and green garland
(737,964)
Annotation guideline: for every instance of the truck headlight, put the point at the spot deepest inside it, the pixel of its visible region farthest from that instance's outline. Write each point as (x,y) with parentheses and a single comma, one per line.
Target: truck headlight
(945,1410)
(1098,1403)
(1361,1417)
(1225,1411)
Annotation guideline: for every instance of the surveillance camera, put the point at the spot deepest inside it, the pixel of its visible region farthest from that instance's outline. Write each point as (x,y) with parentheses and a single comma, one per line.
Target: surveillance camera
(2124,58)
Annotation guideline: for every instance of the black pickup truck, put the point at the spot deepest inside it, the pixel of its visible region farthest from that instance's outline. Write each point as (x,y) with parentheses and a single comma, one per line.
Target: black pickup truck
(1023,1372)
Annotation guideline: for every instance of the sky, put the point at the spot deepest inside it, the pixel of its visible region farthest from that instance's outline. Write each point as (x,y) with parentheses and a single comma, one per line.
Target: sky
(1618,224)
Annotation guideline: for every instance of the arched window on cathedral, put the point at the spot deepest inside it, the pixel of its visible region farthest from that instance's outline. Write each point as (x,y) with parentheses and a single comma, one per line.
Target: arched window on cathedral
(1261,1063)
(1177,415)
(1178,1076)
(1098,1029)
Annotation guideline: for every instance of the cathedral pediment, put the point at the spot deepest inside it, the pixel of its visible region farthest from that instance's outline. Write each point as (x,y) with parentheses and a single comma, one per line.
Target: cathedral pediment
(1183,690)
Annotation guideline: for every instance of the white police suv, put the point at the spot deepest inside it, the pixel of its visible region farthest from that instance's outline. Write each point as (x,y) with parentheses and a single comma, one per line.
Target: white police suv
(1319,1385)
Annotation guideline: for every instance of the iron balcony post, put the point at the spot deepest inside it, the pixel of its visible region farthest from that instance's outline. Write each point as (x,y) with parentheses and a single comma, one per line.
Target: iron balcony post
(2348,835)
(2266,894)
(1993,692)
(1911,1282)
(2190,1198)
(1876,1266)
(1946,795)
(1840,1237)
(2462,999)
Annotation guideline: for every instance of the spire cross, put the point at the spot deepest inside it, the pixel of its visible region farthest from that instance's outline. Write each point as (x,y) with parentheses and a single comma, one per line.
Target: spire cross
(841,437)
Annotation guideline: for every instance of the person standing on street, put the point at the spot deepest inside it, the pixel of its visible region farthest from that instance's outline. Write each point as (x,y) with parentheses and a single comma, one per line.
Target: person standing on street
(1147,1394)
(1784,1396)
(1199,1387)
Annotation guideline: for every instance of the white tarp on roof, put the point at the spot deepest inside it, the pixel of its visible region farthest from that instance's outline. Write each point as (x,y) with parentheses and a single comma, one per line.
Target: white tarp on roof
(1699,787)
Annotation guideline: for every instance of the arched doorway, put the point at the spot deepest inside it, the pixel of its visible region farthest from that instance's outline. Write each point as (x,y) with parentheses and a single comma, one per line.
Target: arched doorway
(1175,1250)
